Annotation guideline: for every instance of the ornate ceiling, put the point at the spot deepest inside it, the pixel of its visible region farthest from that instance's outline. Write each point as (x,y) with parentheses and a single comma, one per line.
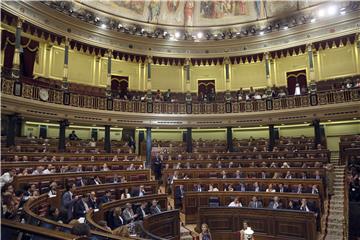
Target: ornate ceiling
(199,20)
(196,29)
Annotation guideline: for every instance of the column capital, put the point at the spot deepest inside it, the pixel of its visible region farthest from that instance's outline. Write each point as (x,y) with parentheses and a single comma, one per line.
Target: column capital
(149,59)
(109,53)
(227,60)
(357,37)
(309,47)
(266,55)
(67,41)
(19,22)
(187,61)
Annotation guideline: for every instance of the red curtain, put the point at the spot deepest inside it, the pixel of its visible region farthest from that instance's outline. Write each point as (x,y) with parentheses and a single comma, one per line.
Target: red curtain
(6,39)
(205,86)
(119,83)
(28,56)
(296,77)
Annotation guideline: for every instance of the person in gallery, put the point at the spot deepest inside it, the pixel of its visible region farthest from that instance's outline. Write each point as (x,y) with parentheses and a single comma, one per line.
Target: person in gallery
(297,90)
(242,231)
(205,232)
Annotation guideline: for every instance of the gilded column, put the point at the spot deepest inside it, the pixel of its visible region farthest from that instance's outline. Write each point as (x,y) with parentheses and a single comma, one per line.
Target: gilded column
(148,63)
(267,73)
(66,65)
(108,76)
(311,67)
(357,57)
(187,79)
(227,78)
(15,72)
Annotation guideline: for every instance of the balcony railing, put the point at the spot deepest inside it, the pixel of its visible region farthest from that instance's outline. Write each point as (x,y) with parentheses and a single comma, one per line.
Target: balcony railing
(56,96)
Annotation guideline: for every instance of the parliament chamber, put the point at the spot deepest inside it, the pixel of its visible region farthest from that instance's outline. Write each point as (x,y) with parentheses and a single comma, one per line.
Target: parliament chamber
(180,120)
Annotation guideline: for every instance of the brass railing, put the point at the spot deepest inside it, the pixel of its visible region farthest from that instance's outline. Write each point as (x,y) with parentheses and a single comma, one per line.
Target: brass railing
(102,103)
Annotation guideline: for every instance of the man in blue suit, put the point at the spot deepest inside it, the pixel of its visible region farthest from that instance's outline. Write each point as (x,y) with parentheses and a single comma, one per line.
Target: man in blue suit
(68,200)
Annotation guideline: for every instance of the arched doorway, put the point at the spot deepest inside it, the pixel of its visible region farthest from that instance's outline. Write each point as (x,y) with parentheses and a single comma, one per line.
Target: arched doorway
(296,77)
(119,85)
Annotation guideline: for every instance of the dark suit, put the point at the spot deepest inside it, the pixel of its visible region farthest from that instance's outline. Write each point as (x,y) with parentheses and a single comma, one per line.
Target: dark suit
(283,189)
(256,204)
(79,209)
(198,189)
(92,204)
(67,203)
(141,213)
(155,209)
(127,215)
(179,195)
(81,182)
(240,188)
(104,199)
(95,182)
(116,221)
(157,168)
(138,193)
(272,205)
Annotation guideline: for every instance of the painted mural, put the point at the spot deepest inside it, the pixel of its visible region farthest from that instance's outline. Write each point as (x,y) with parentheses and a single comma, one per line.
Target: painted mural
(195,12)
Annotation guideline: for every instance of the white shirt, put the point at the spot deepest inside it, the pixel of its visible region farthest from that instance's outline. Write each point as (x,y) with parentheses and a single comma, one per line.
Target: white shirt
(272,190)
(297,90)
(46,171)
(233,204)
(5,178)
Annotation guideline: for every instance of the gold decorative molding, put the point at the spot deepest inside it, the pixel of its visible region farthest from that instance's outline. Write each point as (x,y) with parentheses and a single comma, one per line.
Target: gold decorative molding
(51,20)
(38,110)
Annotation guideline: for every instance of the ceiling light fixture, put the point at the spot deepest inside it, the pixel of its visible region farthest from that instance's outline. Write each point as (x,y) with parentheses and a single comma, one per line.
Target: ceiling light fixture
(343,12)
(313,20)
(286,27)
(177,34)
(199,35)
(332,10)
(261,33)
(103,26)
(321,13)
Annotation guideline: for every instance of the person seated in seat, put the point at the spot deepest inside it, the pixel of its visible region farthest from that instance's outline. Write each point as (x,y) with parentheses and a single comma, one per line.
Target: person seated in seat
(104,224)
(270,188)
(52,192)
(116,219)
(213,188)
(81,230)
(96,181)
(235,203)
(155,207)
(92,142)
(275,204)
(125,194)
(242,231)
(105,198)
(314,189)
(167,96)
(128,213)
(53,214)
(254,203)
(205,232)
(73,136)
(141,211)
(140,192)
(81,207)
(92,203)
(304,206)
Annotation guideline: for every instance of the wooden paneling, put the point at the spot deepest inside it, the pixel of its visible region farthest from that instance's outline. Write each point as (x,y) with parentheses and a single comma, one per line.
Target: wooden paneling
(192,201)
(225,223)
(165,225)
